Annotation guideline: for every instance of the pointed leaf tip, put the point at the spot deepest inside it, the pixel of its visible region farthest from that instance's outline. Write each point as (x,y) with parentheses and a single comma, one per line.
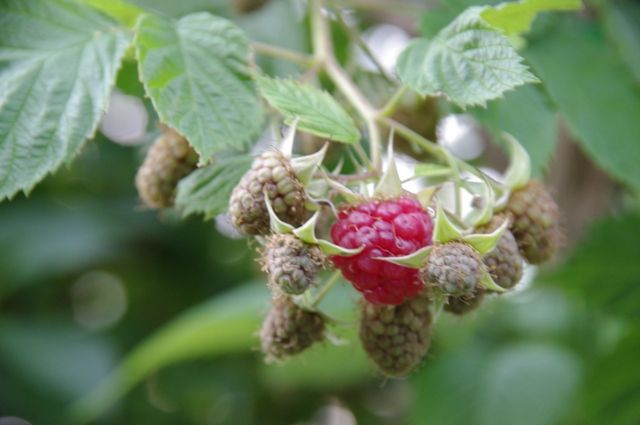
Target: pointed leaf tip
(306,233)
(485,243)
(390,185)
(305,166)
(286,146)
(445,231)
(487,282)
(414,260)
(519,171)
(277,225)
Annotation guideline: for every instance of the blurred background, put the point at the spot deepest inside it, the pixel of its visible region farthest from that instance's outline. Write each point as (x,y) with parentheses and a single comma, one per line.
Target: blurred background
(114,314)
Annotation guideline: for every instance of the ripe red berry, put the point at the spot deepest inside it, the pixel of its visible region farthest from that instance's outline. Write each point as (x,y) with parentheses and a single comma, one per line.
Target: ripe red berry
(386,228)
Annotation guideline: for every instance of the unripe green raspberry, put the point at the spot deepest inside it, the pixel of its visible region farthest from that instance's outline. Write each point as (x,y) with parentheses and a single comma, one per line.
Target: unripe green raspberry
(504,262)
(455,268)
(464,303)
(290,263)
(397,337)
(288,330)
(534,222)
(169,160)
(270,172)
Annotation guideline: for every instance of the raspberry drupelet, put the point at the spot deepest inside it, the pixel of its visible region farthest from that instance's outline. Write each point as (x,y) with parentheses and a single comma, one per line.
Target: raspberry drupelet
(386,228)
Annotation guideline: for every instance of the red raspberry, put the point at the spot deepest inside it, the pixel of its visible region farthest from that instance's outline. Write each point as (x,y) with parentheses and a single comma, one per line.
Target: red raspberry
(388,228)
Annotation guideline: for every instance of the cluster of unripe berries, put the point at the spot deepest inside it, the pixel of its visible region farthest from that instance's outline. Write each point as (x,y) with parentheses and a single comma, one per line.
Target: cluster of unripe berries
(398,303)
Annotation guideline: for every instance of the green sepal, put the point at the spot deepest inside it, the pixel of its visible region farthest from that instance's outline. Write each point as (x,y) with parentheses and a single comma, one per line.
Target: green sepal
(286,145)
(307,233)
(317,188)
(305,166)
(486,242)
(425,196)
(390,185)
(414,260)
(482,215)
(445,231)
(487,281)
(519,171)
(348,194)
(333,249)
(277,225)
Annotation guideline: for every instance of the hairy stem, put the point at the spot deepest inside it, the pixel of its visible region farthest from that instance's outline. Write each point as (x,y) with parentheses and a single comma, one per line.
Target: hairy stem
(323,53)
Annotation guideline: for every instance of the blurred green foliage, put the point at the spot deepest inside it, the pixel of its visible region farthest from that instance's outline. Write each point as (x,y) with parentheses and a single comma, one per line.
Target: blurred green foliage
(563,351)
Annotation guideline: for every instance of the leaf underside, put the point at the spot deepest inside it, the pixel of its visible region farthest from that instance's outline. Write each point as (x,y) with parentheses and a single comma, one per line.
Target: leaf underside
(58,62)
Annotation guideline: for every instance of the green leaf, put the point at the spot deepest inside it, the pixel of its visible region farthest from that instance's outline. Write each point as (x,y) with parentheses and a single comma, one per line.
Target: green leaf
(611,393)
(225,324)
(622,23)
(58,62)
(55,356)
(604,268)
(317,111)
(208,189)
(574,56)
(537,133)
(516,17)
(121,10)
(525,384)
(468,61)
(528,384)
(433,20)
(196,72)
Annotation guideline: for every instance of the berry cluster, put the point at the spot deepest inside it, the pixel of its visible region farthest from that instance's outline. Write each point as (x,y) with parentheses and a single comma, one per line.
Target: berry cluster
(403,252)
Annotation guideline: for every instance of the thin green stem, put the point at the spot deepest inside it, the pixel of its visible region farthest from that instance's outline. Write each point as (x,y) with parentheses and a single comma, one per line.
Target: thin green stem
(326,288)
(390,107)
(282,53)
(429,146)
(323,52)
(355,36)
